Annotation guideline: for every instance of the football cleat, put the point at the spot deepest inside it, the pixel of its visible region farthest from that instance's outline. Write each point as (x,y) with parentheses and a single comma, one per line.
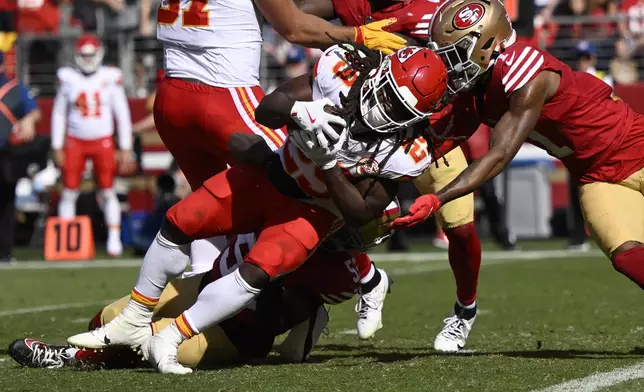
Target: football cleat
(440,241)
(117,332)
(32,353)
(453,336)
(114,246)
(162,354)
(369,307)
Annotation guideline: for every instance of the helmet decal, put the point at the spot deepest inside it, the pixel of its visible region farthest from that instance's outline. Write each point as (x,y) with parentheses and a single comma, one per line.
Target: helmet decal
(468,16)
(406,53)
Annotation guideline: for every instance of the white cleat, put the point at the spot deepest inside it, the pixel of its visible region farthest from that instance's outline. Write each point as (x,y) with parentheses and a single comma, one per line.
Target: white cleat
(453,336)
(369,307)
(114,246)
(162,354)
(117,332)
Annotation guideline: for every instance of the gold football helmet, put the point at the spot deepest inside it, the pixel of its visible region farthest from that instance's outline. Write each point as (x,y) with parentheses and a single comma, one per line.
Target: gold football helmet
(469,35)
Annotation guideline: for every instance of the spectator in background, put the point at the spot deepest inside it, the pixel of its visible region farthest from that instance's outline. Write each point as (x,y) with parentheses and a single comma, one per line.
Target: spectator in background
(7,24)
(38,16)
(18,117)
(115,15)
(587,62)
(622,67)
(632,25)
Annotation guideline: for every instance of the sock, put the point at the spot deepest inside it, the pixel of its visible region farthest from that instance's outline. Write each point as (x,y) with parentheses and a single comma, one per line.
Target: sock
(466,312)
(465,259)
(365,266)
(631,264)
(173,333)
(204,252)
(139,309)
(367,285)
(220,300)
(112,211)
(163,262)
(67,203)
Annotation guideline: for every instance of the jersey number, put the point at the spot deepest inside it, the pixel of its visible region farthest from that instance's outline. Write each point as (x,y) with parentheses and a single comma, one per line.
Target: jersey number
(553,149)
(82,104)
(418,151)
(193,16)
(344,72)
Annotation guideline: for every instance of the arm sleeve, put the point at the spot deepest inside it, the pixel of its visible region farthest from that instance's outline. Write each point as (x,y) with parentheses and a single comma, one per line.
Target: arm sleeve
(27,101)
(58,120)
(123,119)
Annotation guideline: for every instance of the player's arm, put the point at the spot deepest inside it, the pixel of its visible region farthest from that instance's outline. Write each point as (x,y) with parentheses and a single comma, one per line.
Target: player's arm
(506,138)
(58,121)
(360,203)
(321,8)
(309,30)
(124,126)
(275,109)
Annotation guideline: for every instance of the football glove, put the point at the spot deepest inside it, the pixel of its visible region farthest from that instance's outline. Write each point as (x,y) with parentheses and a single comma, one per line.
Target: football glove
(311,116)
(373,36)
(317,148)
(422,209)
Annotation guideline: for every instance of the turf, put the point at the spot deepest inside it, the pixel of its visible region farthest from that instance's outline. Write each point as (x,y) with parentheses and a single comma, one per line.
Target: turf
(541,322)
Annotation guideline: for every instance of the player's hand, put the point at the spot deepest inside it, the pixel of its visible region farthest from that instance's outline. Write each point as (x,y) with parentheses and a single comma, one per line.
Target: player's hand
(59,157)
(22,132)
(373,36)
(317,148)
(422,209)
(316,117)
(125,161)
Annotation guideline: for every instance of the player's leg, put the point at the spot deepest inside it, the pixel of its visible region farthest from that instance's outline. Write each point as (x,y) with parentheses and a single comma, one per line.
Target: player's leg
(375,284)
(102,154)
(290,234)
(457,220)
(222,206)
(203,253)
(74,165)
(614,214)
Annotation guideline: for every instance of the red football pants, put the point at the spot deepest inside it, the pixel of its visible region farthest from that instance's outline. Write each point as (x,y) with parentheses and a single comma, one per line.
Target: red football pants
(100,151)
(242,200)
(195,122)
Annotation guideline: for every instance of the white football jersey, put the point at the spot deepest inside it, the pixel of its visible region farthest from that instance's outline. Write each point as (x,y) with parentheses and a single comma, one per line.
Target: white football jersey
(217,42)
(86,105)
(334,76)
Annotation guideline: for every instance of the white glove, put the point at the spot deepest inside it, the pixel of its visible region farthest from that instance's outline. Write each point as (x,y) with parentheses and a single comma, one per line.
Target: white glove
(311,116)
(316,147)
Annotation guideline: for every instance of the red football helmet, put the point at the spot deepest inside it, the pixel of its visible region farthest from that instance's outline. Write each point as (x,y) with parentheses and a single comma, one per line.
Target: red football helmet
(407,87)
(88,53)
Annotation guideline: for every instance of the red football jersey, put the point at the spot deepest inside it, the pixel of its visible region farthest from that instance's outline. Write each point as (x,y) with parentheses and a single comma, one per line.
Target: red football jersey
(596,137)
(412,16)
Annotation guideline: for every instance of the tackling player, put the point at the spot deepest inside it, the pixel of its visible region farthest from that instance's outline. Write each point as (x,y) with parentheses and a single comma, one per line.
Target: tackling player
(89,96)
(299,196)
(212,51)
(294,302)
(455,218)
(528,95)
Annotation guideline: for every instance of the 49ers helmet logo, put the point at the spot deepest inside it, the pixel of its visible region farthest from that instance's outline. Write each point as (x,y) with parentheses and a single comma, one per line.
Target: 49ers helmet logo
(468,16)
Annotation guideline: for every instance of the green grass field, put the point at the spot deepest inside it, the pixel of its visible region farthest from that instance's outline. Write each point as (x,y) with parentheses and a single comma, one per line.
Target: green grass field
(542,322)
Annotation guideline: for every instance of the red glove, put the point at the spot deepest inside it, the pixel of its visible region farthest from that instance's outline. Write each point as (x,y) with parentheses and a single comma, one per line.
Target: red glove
(422,209)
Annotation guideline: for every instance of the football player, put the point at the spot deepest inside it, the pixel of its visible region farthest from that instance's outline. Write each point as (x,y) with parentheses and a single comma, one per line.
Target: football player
(294,302)
(527,95)
(212,51)
(299,196)
(88,98)
(455,218)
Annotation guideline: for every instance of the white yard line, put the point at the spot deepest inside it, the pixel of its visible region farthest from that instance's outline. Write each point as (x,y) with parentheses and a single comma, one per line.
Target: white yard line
(411,257)
(598,381)
(48,308)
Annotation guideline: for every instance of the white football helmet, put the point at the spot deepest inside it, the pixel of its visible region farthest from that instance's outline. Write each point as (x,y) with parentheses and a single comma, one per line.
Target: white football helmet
(88,53)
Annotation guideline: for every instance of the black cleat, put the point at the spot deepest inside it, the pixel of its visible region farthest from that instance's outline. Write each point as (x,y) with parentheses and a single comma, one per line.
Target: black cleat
(32,353)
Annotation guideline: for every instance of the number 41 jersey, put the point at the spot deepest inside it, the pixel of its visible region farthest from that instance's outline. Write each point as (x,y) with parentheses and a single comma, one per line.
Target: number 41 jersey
(217,42)
(333,76)
(597,137)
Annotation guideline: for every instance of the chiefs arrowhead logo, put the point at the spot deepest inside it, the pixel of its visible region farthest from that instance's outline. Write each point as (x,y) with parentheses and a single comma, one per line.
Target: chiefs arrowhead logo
(406,53)
(468,16)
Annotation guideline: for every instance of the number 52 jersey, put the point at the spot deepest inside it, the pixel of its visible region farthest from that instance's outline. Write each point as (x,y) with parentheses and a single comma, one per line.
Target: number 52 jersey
(333,76)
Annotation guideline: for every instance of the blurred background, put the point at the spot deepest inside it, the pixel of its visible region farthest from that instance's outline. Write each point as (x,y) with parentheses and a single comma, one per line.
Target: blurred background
(532,200)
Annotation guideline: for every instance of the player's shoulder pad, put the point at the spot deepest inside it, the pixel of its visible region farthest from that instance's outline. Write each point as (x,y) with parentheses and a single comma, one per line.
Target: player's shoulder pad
(519,63)
(66,74)
(112,74)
